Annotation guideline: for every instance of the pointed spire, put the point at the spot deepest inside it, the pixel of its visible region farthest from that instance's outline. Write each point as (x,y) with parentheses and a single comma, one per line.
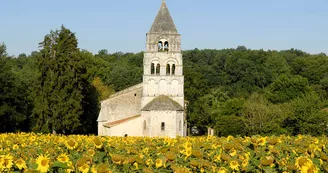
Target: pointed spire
(163,22)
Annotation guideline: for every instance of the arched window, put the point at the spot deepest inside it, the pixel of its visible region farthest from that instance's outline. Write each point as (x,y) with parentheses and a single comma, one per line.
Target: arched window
(160,46)
(144,125)
(173,69)
(152,68)
(166,46)
(158,69)
(168,69)
(163,126)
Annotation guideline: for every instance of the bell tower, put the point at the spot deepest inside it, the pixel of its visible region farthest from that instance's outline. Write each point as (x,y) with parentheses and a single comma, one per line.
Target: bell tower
(163,68)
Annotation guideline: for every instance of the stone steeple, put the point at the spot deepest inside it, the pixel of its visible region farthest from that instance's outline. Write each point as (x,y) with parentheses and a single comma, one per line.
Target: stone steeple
(163,22)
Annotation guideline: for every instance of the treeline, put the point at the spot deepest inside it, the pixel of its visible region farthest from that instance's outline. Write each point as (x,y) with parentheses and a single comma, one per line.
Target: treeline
(235,91)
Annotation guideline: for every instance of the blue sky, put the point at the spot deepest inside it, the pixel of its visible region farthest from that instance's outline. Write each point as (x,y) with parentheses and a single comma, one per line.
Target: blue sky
(121,25)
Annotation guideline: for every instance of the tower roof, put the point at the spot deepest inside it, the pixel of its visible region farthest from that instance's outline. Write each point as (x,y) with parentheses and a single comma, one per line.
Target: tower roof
(163,22)
(162,103)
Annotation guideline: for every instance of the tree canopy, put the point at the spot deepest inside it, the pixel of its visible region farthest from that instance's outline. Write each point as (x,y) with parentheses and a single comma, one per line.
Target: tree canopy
(235,91)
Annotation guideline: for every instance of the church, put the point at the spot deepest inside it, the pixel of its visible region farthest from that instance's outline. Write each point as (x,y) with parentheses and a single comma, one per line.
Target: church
(155,107)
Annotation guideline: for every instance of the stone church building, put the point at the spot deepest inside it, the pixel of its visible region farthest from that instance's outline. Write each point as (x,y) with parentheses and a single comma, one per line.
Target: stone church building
(156,106)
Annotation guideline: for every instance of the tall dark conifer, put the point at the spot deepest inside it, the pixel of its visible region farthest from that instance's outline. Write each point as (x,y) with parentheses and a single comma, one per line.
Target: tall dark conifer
(59,92)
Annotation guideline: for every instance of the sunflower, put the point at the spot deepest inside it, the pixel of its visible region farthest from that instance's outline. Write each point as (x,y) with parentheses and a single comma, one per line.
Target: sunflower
(234,165)
(222,170)
(188,152)
(98,143)
(244,164)
(20,163)
(6,161)
(262,141)
(117,159)
(217,158)
(43,163)
(303,161)
(63,158)
(309,168)
(159,163)
(170,156)
(91,152)
(84,168)
(71,167)
(71,145)
(182,170)
(93,169)
(149,162)
(103,168)
(15,147)
(32,138)
(136,166)
(233,152)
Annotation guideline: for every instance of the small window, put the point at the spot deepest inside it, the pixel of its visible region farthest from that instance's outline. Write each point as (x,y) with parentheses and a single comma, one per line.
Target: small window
(152,68)
(180,125)
(160,46)
(163,126)
(167,69)
(158,69)
(144,125)
(166,46)
(173,69)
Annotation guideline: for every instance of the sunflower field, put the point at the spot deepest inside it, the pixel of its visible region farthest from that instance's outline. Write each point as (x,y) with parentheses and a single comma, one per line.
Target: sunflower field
(30,152)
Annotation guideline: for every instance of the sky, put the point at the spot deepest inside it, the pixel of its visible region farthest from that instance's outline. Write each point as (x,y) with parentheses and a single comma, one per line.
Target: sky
(121,25)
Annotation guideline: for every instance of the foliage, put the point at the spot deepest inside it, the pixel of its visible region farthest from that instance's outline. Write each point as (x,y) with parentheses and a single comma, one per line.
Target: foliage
(13,102)
(61,83)
(261,92)
(286,88)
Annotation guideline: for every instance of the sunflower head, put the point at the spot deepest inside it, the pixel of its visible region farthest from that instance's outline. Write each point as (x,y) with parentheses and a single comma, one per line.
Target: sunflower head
(170,156)
(149,162)
(63,158)
(234,165)
(98,143)
(84,168)
(103,168)
(21,164)
(159,163)
(222,170)
(43,163)
(303,161)
(71,144)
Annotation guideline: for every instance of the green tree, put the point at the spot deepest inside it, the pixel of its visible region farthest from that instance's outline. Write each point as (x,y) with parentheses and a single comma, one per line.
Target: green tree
(61,80)
(287,87)
(262,117)
(13,98)
(307,115)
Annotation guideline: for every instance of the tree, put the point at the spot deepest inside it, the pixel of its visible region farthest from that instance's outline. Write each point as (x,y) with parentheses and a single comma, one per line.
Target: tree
(13,98)
(61,80)
(287,87)
(307,115)
(103,90)
(262,117)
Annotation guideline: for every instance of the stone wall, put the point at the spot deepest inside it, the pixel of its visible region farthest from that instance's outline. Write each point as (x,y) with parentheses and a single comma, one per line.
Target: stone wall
(154,120)
(129,128)
(121,105)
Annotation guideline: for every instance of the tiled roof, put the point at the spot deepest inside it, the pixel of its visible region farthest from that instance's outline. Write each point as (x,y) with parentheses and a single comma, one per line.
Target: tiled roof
(115,123)
(163,103)
(163,22)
